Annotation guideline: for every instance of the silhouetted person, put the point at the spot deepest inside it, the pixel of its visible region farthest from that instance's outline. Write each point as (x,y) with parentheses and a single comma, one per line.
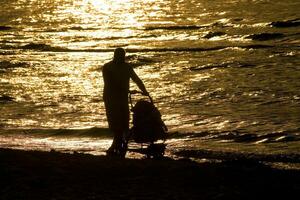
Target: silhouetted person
(116,75)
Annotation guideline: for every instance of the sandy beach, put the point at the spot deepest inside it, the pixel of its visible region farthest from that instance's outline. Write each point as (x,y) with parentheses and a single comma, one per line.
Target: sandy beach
(53,175)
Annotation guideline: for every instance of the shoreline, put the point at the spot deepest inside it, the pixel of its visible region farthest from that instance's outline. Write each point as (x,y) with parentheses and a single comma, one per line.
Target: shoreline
(55,175)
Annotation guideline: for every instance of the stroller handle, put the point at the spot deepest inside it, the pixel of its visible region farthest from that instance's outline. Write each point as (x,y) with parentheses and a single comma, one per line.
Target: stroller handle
(133,92)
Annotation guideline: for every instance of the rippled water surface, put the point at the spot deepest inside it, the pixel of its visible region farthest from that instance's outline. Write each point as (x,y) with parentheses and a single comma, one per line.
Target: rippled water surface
(224,70)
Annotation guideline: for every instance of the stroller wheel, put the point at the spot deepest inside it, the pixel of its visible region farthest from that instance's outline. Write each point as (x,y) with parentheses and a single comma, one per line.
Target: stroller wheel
(156,151)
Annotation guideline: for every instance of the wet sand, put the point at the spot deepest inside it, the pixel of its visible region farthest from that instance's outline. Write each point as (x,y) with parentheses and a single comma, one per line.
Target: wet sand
(53,175)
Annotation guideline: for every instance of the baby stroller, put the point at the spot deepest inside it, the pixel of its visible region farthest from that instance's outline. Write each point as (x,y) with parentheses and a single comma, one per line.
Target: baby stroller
(147,129)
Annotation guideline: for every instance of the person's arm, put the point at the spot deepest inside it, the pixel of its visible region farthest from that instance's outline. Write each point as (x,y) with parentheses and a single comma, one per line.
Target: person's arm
(138,81)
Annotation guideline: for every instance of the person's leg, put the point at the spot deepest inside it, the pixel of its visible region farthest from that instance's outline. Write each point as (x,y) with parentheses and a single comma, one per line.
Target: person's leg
(119,125)
(118,146)
(118,136)
(121,131)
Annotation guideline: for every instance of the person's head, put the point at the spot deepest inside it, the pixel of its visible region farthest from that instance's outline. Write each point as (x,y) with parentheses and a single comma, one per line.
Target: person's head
(119,55)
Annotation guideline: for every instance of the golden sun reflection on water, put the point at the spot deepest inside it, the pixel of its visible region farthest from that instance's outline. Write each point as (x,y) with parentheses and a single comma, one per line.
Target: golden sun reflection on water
(99,20)
(68,82)
(104,11)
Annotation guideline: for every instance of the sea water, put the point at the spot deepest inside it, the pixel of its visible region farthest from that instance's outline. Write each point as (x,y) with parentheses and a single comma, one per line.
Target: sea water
(224,74)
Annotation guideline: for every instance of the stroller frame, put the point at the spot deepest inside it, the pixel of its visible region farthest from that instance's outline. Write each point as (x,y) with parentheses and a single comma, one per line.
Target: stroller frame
(150,148)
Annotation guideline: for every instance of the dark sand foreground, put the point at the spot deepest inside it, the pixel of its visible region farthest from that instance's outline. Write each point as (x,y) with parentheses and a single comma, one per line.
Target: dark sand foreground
(44,175)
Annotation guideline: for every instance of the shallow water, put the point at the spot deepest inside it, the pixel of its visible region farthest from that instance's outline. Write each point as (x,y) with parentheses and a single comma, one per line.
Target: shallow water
(223,71)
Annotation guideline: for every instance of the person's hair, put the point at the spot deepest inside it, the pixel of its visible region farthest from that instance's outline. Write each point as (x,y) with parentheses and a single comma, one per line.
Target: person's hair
(119,55)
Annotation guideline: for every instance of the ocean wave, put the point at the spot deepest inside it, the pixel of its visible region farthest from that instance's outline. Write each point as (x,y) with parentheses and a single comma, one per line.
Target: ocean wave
(6,52)
(267,138)
(174,27)
(235,136)
(137,60)
(265,36)
(6,99)
(80,28)
(221,65)
(213,34)
(210,66)
(116,38)
(256,46)
(42,47)
(187,49)
(5,28)
(47,47)
(4,65)
(286,24)
(64,29)
(128,37)
(45,133)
